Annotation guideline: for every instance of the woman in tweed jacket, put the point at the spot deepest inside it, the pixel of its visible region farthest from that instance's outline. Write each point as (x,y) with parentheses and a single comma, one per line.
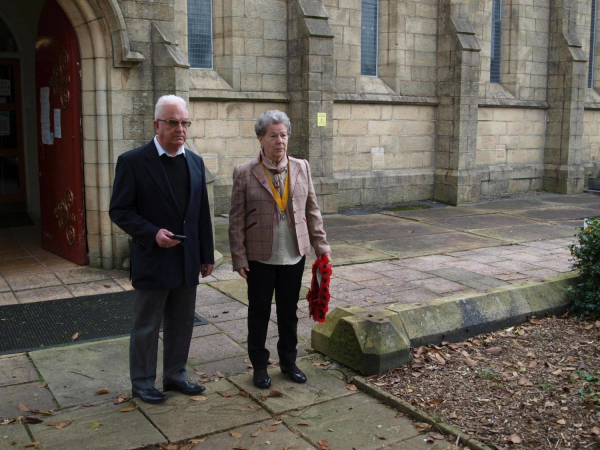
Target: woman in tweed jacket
(273,222)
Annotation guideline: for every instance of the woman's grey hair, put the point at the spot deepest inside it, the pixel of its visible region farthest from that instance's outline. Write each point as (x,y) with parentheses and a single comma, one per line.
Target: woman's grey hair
(271,117)
(168,100)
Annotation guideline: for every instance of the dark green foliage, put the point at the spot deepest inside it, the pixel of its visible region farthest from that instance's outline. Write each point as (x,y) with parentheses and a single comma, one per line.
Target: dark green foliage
(585,296)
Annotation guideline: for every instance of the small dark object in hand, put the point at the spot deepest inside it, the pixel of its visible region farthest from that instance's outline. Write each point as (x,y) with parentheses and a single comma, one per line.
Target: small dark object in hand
(178,237)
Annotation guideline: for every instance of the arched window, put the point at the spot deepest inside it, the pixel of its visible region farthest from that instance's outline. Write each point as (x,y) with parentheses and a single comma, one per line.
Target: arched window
(496,40)
(592,53)
(200,42)
(368,37)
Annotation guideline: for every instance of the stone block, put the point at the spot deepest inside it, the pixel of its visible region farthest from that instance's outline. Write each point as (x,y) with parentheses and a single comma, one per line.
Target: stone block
(352,127)
(367,342)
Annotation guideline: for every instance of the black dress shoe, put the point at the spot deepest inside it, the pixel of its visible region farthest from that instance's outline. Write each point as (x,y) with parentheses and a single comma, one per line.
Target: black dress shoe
(296,375)
(185,387)
(261,379)
(150,395)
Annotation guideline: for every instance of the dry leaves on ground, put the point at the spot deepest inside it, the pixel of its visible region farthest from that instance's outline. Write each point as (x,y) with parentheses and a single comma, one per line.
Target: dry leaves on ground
(535,385)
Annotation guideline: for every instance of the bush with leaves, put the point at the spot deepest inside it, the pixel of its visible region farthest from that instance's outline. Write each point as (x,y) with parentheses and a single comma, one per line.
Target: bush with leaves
(585,296)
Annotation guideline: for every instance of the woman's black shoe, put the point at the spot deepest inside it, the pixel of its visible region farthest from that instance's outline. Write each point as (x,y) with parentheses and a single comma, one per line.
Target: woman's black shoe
(261,379)
(296,375)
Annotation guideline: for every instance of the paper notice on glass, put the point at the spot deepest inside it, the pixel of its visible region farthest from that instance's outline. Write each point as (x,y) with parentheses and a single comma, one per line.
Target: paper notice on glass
(5,88)
(45,115)
(4,123)
(57,127)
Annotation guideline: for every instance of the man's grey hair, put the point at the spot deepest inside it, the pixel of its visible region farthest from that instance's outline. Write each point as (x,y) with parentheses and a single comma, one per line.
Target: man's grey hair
(168,100)
(271,117)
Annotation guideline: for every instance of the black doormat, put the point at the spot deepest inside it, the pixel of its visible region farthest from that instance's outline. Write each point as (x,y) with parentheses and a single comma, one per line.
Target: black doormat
(54,322)
(15,219)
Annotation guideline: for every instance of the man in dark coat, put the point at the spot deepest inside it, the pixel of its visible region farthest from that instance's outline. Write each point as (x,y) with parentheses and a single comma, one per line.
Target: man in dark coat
(160,199)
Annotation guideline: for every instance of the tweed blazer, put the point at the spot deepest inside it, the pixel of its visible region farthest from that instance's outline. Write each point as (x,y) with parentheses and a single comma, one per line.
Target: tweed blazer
(253,210)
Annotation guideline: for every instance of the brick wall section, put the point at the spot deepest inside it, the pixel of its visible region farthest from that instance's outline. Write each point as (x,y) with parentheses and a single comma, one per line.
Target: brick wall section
(591,143)
(223,133)
(510,150)
(383,153)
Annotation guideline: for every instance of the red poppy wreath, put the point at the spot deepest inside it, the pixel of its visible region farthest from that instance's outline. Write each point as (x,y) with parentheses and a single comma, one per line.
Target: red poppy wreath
(318,296)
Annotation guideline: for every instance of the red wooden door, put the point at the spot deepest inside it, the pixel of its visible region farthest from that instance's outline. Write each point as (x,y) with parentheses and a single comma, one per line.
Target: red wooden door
(60,136)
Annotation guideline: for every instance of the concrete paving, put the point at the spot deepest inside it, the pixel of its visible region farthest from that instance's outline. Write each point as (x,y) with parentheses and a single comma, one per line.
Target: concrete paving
(385,260)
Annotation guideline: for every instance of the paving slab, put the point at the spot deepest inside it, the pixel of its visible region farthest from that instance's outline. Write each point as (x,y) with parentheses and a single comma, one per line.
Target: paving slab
(525,233)
(560,213)
(271,437)
(95,287)
(223,312)
(465,276)
(413,296)
(352,422)
(434,243)
(511,205)
(117,430)
(8,298)
(82,275)
(578,199)
(338,220)
(321,386)
(449,211)
(180,417)
(4,287)
(29,395)
(43,294)
(420,443)
(238,329)
(351,254)
(16,370)
(14,437)
(107,362)
(371,233)
(228,366)
(483,221)
(207,295)
(213,348)
(32,281)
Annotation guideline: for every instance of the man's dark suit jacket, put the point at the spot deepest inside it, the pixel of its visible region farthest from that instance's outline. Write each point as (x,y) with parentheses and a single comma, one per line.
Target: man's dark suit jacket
(142,203)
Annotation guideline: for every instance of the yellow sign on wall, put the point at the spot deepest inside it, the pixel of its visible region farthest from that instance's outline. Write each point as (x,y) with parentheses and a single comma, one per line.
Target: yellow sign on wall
(321,119)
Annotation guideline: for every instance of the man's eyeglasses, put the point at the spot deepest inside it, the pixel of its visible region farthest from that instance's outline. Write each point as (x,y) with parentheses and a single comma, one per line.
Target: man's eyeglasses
(172,123)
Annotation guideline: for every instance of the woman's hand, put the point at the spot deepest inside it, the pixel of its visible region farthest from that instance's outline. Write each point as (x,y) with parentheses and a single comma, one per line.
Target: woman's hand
(243,271)
(328,255)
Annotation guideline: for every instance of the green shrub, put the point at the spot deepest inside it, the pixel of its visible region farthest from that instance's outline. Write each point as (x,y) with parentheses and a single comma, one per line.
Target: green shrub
(585,296)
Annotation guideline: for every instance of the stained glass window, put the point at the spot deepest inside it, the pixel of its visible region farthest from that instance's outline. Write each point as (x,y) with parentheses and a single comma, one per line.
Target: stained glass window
(496,40)
(368,37)
(200,43)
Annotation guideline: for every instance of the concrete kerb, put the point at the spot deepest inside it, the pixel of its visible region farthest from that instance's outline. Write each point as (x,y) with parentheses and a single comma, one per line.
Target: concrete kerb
(417,414)
(374,342)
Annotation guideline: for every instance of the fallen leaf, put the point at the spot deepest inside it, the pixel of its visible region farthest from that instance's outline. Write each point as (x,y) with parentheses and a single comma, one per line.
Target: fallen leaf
(95,425)
(244,394)
(561,421)
(75,336)
(270,429)
(219,374)
(437,436)
(422,426)
(595,431)
(102,392)
(536,322)
(32,420)
(60,425)
(383,438)
(33,444)
(514,438)
(557,372)
(226,312)
(239,447)
(253,407)
(44,413)
(549,404)
(274,394)
(198,398)
(197,441)
(469,362)
(278,422)
(225,394)
(22,407)
(235,434)
(351,387)
(597,324)
(199,373)
(128,409)
(187,446)
(257,433)
(273,362)
(323,444)
(452,415)
(494,350)
(303,424)
(524,382)
(43,385)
